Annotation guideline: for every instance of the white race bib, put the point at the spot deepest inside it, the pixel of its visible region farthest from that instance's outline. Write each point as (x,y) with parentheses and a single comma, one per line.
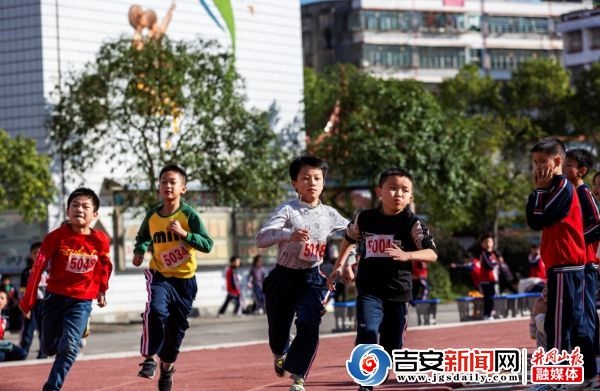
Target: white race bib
(175,256)
(81,263)
(312,250)
(376,244)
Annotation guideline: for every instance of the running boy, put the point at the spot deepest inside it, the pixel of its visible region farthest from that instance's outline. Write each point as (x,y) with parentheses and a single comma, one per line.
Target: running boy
(392,238)
(554,208)
(577,164)
(300,227)
(76,258)
(173,232)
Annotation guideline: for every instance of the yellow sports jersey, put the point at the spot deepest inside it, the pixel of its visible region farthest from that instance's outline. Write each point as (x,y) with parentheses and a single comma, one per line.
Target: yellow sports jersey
(172,255)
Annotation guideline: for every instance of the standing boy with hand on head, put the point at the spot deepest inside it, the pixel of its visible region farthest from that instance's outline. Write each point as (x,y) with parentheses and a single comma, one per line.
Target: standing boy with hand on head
(554,208)
(173,232)
(392,237)
(577,164)
(300,227)
(77,259)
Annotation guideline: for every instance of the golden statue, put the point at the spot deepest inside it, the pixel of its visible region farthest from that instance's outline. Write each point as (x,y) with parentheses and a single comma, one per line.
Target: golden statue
(141,20)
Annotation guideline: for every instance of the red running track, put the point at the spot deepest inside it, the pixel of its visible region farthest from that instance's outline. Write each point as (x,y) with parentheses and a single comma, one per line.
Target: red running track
(250,367)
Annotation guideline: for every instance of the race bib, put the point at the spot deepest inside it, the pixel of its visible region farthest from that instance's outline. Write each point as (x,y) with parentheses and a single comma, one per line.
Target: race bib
(376,244)
(81,263)
(312,250)
(175,256)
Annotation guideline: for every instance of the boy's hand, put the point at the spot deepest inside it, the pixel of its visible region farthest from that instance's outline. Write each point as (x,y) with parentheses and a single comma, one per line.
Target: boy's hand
(397,253)
(542,178)
(348,274)
(300,235)
(335,274)
(175,226)
(138,259)
(101,299)
(26,314)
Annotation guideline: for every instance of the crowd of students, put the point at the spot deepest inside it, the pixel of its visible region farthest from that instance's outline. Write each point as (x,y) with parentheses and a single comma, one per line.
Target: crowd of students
(385,250)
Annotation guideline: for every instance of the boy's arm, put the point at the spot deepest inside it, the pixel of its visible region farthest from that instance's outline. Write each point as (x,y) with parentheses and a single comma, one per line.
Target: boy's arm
(547,206)
(423,240)
(273,231)
(338,268)
(591,215)
(40,264)
(198,237)
(143,239)
(105,270)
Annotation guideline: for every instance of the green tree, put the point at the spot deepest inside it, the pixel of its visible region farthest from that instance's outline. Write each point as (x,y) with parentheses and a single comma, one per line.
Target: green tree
(539,89)
(170,102)
(386,123)
(501,177)
(584,105)
(25,179)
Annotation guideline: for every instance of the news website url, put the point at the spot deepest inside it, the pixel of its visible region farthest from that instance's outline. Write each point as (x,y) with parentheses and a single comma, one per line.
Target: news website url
(438,378)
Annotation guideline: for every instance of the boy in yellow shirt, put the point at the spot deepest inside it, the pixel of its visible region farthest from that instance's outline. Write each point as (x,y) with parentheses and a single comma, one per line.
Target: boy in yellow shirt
(173,232)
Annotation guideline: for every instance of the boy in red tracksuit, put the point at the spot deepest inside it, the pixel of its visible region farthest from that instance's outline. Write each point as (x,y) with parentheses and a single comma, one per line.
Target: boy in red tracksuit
(554,208)
(232,282)
(78,264)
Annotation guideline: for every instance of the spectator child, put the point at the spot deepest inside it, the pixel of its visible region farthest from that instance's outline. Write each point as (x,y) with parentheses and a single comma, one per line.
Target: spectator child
(232,283)
(35,321)
(554,208)
(488,275)
(256,276)
(8,350)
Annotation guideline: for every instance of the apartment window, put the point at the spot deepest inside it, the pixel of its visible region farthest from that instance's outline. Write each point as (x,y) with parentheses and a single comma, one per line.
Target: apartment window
(441,58)
(518,25)
(595,38)
(573,41)
(388,21)
(441,22)
(388,56)
(507,60)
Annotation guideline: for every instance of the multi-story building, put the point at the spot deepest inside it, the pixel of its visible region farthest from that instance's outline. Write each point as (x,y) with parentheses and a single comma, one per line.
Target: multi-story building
(581,39)
(43,41)
(429,40)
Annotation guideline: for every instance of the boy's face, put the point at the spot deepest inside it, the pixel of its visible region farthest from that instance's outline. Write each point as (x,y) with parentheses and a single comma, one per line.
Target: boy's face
(171,186)
(309,184)
(487,244)
(572,171)
(535,251)
(596,188)
(396,193)
(34,253)
(546,164)
(81,211)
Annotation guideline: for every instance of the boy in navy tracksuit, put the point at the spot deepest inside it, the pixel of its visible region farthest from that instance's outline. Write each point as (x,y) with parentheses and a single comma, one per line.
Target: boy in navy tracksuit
(577,164)
(554,208)
(489,260)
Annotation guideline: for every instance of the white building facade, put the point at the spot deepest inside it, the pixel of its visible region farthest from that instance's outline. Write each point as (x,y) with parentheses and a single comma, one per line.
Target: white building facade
(430,40)
(581,36)
(42,41)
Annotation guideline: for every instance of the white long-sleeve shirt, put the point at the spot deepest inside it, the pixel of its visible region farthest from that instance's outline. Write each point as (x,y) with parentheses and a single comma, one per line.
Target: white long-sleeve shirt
(320,220)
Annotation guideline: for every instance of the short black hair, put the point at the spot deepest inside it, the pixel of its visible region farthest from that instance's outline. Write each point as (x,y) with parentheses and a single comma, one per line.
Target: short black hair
(583,157)
(394,171)
(485,236)
(307,160)
(550,146)
(172,167)
(34,246)
(233,258)
(85,192)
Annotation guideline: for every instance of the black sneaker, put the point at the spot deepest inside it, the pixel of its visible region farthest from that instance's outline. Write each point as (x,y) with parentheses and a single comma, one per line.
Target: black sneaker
(165,381)
(365,388)
(148,368)
(278,366)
